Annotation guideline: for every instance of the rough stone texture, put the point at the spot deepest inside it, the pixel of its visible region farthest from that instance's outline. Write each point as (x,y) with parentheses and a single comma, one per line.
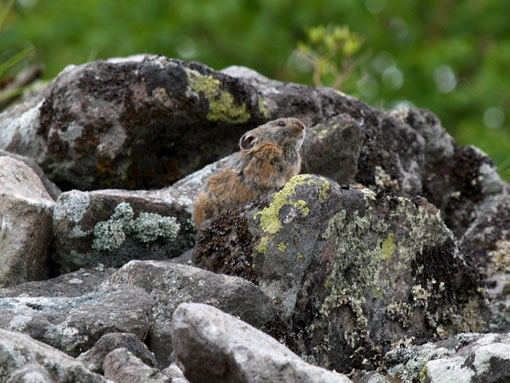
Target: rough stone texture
(485,361)
(170,284)
(212,346)
(174,372)
(456,179)
(74,284)
(52,189)
(112,227)
(24,359)
(354,271)
(488,241)
(122,366)
(93,358)
(25,223)
(74,324)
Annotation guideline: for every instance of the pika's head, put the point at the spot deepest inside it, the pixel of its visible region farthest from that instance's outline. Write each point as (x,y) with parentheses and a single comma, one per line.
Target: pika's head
(287,133)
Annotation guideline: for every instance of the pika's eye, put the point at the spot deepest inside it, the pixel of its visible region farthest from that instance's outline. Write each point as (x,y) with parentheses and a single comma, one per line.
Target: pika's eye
(281,123)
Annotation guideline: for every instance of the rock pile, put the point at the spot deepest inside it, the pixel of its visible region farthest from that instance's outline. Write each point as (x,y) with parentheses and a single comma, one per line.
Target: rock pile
(387,259)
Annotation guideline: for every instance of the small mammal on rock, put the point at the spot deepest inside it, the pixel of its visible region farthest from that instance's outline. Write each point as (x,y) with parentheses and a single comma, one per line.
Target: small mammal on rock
(269,157)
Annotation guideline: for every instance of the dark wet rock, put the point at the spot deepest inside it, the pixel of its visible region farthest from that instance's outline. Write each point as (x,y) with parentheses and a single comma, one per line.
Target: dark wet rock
(455,179)
(354,271)
(27,360)
(25,223)
(112,227)
(212,346)
(170,284)
(74,284)
(93,359)
(74,324)
(121,366)
(52,189)
(488,241)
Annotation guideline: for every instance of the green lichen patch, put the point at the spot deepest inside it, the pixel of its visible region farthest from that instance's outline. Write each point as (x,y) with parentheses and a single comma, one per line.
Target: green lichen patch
(388,248)
(282,247)
(269,217)
(263,108)
(109,235)
(222,106)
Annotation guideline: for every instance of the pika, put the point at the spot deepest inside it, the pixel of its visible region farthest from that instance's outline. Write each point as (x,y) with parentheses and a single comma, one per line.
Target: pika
(269,157)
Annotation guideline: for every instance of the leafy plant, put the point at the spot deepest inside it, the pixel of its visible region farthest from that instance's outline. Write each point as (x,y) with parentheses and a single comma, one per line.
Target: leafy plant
(10,89)
(334,53)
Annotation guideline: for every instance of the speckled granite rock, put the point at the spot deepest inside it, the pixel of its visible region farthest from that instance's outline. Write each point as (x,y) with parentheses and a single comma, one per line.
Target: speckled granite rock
(215,347)
(170,284)
(121,366)
(355,272)
(26,211)
(27,360)
(93,359)
(74,324)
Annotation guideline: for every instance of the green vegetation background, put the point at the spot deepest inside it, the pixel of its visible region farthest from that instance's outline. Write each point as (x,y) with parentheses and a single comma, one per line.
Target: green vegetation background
(452,57)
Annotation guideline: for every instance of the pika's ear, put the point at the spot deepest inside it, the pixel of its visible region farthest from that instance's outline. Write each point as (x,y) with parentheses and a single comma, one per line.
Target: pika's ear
(247,142)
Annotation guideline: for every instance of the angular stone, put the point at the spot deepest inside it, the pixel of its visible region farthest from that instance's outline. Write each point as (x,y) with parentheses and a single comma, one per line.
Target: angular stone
(353,271)
(212,346)
(122,366)
(27,360)
(74,324)
(93,358)
(112,227)
(25,223)
(486,360)
(170,284)
(74,284)
(52,189)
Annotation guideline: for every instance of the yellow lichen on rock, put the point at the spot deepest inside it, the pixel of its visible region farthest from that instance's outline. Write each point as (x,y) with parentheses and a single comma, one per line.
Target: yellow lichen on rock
(222,106)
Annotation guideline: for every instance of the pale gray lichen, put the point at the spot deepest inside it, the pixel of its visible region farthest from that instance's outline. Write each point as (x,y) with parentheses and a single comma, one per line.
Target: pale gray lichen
(72,206)
(145,229)
(148,227)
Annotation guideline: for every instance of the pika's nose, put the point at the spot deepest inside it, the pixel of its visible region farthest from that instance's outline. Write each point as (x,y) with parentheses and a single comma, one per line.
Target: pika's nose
(299,123)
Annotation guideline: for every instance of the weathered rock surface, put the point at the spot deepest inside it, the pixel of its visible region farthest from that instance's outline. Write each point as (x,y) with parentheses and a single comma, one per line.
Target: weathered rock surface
(170,284)
(25,223)
(354,271)
(93,359)
(212,346)
(112,227)
(488,241)
(74,284)
(52,189)
(24,359)
(122,366)
(487,360)
(74,324)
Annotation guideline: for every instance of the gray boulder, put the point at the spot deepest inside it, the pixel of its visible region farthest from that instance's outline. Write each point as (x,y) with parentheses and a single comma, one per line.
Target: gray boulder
(121,366)
(112,227)
(170,284)
(27,360)
(25,223)
(93,359)
(74,324)
(52,189)
(212,346)
(73,284)
(353,271)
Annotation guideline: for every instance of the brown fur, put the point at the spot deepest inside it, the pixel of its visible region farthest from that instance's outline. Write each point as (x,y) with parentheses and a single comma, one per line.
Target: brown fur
(269,157)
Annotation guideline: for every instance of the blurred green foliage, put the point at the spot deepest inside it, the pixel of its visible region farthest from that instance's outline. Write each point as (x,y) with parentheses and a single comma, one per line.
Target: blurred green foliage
(452,57)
